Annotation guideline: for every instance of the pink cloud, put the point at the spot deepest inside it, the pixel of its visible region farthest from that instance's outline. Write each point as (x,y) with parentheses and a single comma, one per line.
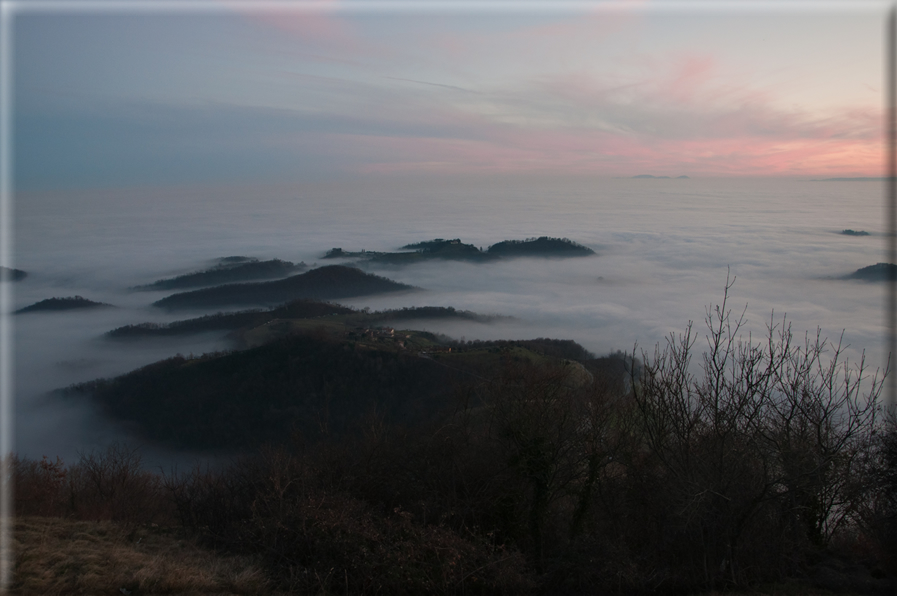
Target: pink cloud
(683,114)
(690,75)
(321,27)
(604,154)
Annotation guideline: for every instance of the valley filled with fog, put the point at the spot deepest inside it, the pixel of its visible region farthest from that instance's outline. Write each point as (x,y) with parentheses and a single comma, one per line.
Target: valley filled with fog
(664,250)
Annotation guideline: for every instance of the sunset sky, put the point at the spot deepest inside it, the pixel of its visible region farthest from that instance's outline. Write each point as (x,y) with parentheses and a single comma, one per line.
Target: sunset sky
(127,95)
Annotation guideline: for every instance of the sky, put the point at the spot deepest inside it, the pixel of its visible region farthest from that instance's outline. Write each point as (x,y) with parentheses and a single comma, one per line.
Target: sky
(118,97)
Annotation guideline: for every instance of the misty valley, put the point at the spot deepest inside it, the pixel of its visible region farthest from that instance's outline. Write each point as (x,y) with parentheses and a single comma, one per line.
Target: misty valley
(355,449)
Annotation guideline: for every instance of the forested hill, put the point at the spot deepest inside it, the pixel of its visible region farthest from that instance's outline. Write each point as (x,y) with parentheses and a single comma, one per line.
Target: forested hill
(228,272)
(455,250)
(297,309)
(314,382)
(324,283)
(299,384)
(877,272)
(66,303)
(543,246)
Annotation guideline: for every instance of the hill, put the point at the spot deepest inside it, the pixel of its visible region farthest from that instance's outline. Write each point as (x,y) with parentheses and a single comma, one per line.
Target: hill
(297,309)
(7,274)
(241,400)
(455,250)
(324,283)
(230,270)
(314,377)
(877,272)
(67,303)
(543,246)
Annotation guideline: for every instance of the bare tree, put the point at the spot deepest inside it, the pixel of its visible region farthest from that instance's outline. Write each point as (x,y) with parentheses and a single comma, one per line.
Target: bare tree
(759,438)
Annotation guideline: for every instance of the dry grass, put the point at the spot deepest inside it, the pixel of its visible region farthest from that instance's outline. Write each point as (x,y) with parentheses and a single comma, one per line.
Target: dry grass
(58,556)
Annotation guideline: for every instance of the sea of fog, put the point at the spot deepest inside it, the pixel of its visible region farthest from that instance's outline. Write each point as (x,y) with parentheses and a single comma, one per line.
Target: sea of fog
(665,248)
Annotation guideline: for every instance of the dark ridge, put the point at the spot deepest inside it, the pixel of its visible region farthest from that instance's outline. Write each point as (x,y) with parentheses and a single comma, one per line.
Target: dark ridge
(236,259)
(554,348)
(433,312)
(541,247)
(302,385)
(877,272)
(298,309)
(854,233)
(67,303)
(231,270)
(652,177)
(324,283)
(458,251)
(428,244)
(7,274)
(434,249)
(443,247)
(295,386)
(420,251)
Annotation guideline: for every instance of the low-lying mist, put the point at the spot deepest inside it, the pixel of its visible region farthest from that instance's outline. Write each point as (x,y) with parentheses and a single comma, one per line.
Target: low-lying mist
(665,251)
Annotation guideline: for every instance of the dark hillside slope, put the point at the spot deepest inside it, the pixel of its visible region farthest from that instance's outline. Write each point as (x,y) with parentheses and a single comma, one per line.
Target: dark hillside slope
(324,283)
(877,272)
(227,273)
(543,246)
(7,274)
(66,303)
(297,309)
(243,399)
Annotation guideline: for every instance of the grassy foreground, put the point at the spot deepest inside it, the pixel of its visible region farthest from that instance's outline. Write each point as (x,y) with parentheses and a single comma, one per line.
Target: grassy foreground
(61,556)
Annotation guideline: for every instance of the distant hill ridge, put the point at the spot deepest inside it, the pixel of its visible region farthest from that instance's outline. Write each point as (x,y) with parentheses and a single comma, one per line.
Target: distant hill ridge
(543,246)
(229,321)
(7,274)
(66,303)
(877,272)
(297,309)
(324,283)
(229,270)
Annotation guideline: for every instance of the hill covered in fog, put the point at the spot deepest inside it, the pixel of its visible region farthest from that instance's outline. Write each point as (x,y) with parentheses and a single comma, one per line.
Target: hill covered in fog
(455,250)
(7,274)
(324,283)
(297,309)
(307,375)
(66,303)
(877,272)
(229,270)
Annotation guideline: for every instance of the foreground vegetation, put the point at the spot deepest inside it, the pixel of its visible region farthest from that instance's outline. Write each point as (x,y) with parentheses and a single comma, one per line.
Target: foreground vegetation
(71,556)
(763,464)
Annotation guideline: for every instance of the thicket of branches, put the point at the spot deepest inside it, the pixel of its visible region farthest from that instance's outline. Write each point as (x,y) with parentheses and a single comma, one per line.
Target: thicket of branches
(761,456)
(746,463)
